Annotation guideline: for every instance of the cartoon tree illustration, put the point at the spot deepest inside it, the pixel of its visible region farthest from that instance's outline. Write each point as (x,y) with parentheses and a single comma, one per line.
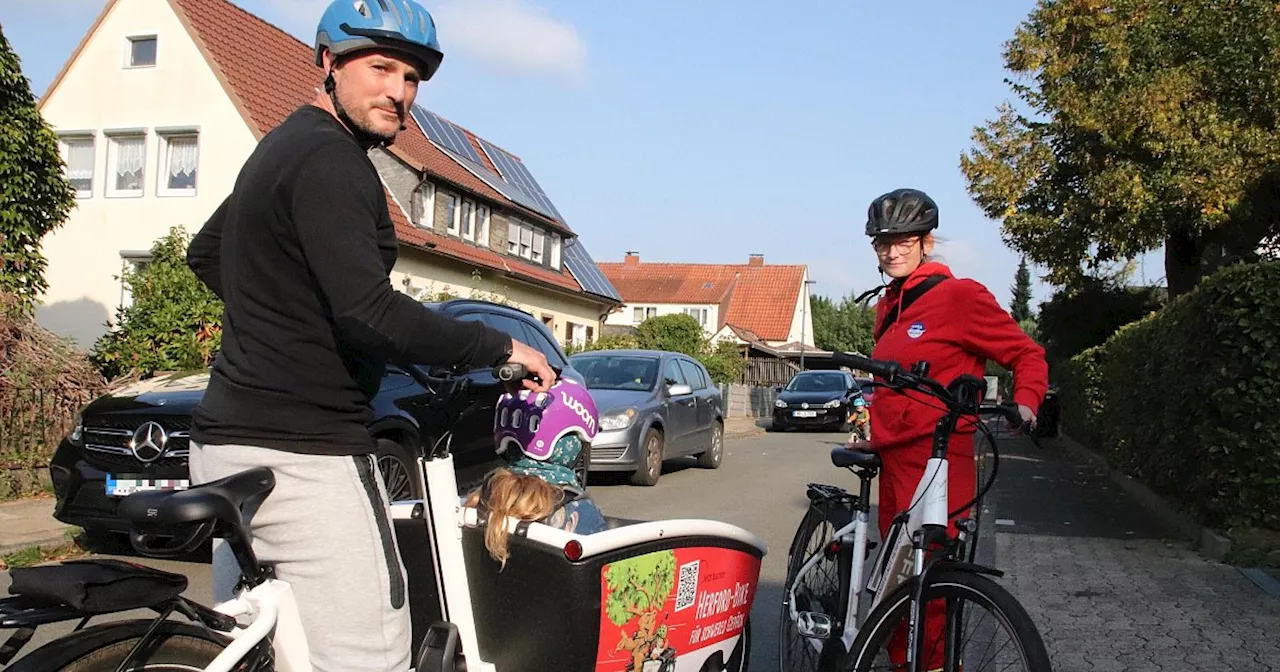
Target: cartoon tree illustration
(639,585)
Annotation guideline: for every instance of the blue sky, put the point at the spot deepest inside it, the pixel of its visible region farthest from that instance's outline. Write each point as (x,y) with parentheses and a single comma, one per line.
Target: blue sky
(704,131)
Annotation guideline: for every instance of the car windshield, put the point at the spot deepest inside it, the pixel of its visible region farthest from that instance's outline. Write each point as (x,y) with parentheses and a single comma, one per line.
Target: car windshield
(819,382)
(617,373)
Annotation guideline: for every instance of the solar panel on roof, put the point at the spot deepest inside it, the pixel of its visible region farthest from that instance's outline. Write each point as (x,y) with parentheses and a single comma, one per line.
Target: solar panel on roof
(444,133)
(499,185)
(584,269)
(514,171)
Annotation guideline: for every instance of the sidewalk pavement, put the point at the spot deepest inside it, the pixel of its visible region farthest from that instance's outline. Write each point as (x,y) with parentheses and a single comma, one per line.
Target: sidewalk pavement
(29,522)
(1110,584)
(741,428)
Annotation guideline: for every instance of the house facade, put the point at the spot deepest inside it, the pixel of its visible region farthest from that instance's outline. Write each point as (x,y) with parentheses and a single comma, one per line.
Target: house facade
(162,102)
(753,302)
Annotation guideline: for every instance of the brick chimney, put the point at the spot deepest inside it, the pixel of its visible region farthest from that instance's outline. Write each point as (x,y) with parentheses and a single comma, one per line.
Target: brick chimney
(632,258)
(755,260)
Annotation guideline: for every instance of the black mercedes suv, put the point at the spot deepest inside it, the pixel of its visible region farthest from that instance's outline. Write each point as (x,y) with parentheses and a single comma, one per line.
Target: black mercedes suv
(136,437)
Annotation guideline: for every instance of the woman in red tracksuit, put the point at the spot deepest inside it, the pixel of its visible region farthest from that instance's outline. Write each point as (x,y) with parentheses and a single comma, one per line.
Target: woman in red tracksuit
(956,326)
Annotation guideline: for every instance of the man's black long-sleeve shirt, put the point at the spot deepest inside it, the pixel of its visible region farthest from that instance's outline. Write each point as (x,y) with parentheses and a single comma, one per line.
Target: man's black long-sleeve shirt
(300,254)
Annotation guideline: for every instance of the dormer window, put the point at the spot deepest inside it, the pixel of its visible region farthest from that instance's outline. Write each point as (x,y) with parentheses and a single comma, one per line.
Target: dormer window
(142,52)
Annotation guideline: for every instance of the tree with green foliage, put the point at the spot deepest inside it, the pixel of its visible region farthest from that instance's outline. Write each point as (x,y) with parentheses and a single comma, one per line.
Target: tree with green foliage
(1149,123)
(676,333)
(844,326)
(174,322)
(1087,314)
(638,585)
(35,196)
(1020,309)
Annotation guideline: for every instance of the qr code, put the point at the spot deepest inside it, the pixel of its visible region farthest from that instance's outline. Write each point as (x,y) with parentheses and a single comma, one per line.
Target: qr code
(687,592)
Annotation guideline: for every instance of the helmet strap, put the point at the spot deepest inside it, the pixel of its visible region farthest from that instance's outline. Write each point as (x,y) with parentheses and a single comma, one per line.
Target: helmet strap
(365,139)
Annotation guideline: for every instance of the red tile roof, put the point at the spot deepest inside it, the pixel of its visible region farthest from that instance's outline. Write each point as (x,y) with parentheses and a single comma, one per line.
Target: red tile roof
(759,298)
(268,73)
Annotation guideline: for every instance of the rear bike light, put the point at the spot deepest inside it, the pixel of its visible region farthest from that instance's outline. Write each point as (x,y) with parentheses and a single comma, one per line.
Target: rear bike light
(573,550)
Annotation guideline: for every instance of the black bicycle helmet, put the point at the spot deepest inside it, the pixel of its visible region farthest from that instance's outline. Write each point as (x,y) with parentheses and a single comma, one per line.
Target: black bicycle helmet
(902,211)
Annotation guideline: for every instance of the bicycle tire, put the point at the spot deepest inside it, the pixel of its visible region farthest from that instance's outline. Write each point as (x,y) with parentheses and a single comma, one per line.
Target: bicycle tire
(882,621)
(175,647)
(813,521)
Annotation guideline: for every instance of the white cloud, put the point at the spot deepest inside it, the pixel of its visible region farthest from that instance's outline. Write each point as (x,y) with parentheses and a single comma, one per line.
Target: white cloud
(512,37)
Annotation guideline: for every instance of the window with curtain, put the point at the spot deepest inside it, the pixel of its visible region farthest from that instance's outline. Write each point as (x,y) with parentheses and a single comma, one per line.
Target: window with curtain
(128,164)
(468,220)
(77,153)
(181,158)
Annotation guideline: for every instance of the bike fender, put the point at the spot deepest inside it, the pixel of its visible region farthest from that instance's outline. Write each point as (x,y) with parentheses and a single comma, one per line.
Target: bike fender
(967,567)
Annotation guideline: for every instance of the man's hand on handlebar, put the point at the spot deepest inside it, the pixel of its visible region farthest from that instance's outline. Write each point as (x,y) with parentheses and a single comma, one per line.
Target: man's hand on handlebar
(535,363)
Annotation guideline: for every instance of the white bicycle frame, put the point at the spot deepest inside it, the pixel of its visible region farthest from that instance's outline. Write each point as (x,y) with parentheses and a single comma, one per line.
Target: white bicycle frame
(892,565)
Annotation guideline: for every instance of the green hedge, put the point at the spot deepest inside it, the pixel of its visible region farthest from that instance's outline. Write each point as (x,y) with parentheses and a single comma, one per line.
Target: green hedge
(1186,399)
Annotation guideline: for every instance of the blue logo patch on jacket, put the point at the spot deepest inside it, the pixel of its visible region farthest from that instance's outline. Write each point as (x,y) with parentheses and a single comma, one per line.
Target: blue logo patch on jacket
(916,330)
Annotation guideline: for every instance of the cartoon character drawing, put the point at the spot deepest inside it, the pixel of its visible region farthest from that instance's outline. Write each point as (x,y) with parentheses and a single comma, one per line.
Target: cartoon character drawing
(637,590)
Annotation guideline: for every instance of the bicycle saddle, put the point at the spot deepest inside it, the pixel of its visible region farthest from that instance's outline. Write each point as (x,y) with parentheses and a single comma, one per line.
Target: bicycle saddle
(847,457)
(219,500)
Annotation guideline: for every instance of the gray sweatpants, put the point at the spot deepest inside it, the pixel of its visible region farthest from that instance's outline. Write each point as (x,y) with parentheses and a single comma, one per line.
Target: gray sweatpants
(327,530)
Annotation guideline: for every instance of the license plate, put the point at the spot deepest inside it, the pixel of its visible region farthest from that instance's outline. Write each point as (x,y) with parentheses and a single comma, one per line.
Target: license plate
(805,414)
(120,487)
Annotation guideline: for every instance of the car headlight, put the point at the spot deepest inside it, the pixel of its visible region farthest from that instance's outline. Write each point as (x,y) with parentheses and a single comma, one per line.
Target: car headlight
(77,432)
(619,420)
(780,404)
(834,403)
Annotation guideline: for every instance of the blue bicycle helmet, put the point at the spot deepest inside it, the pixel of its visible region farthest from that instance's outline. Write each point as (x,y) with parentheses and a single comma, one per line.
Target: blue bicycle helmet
(352,25)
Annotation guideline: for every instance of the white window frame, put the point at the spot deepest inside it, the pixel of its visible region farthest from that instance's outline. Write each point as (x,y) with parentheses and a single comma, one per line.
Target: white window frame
(538,246)
(699,314)
(452,224)
(128,51)
(427,201)
(467,219)
(113,147)
(513,236)
(555,251)
(162,161)
(134,260)
(64,148)
(481,227)
(646,312)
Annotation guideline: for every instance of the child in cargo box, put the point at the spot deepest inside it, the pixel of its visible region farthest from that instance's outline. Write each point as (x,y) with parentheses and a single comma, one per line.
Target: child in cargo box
(540,436)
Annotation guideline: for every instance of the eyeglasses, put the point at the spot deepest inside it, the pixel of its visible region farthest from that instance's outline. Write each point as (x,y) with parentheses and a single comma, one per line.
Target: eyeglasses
(900,245)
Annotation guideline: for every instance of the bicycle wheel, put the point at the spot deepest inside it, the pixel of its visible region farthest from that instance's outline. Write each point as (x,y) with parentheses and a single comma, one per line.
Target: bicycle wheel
(985,628)
(175,647)
(819,591)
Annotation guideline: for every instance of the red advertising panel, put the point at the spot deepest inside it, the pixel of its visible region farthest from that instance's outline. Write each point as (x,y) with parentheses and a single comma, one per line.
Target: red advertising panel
(672,610)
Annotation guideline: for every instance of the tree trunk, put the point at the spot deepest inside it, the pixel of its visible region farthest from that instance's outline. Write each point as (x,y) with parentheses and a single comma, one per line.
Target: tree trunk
(1183,259)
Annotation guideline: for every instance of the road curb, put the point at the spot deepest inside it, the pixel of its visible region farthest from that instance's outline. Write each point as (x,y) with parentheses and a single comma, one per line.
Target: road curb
(43,541)
(1208,541)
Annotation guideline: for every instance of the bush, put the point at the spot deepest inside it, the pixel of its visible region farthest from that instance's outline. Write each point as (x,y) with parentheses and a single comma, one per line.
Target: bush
(44,381)
(1184,400)
(174,323)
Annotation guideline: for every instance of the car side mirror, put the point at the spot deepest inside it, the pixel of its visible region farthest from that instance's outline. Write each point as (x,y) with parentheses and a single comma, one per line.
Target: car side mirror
(679,390)
(777,389)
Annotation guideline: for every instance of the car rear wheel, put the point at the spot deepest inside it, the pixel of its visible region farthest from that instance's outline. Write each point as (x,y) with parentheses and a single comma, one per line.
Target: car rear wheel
(651,454)
(711,458)
(397,469)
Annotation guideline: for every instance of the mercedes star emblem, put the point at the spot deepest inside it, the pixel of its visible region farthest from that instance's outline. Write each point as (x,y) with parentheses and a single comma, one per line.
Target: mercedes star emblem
(148,442)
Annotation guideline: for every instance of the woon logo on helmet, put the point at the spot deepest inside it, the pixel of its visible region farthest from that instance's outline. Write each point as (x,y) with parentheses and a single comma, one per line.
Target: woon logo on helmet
(577,407)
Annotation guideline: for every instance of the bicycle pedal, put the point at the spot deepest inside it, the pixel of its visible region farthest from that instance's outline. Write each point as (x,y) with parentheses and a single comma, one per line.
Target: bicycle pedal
(814,625)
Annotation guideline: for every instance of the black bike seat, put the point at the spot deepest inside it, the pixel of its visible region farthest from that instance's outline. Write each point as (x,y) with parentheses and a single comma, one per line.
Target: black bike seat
(219,500)
(848,457)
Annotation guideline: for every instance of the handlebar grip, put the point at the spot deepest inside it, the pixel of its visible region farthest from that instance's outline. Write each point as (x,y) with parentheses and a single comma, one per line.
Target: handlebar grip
(886,370)
(1009,411)
(509,372)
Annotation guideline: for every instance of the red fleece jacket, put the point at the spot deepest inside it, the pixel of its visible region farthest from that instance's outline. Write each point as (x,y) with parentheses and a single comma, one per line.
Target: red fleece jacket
(956,326)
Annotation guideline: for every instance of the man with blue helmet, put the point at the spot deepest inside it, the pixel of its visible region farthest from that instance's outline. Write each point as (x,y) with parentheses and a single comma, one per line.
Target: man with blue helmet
(300,254)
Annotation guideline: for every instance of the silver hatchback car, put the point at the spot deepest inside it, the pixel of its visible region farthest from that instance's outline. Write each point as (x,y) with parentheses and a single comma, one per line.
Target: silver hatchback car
(654,405)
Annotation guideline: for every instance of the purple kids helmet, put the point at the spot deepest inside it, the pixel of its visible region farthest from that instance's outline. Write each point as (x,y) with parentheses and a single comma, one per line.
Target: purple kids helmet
(533,423)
